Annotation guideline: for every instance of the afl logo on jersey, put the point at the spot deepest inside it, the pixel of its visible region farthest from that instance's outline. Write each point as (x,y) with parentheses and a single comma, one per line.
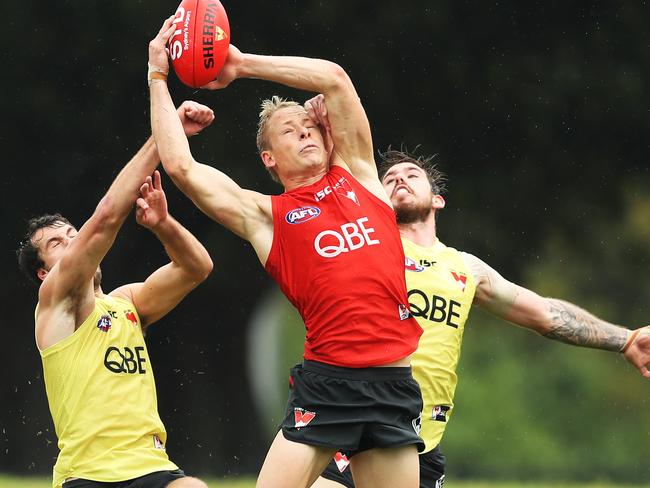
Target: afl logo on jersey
(104,323)
(411,265)
(301,215)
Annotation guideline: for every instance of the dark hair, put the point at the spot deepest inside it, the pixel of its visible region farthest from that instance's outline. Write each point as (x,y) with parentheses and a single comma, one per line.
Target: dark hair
(29,260)
(391,157)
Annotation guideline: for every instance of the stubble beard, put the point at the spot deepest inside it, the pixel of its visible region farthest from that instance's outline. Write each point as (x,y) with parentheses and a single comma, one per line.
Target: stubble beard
(408,214)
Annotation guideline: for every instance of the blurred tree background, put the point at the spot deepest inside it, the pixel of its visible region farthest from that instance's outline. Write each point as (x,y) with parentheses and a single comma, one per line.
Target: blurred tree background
(539,114)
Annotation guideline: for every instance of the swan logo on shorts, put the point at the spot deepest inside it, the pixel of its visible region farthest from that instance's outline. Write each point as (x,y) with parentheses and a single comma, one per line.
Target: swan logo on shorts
(411,265)
(342,461)
(302,417)
(417,424)
(104,323)
(301,215)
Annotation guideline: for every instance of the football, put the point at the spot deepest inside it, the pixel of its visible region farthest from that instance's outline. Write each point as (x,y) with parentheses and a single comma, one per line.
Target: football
(199,45)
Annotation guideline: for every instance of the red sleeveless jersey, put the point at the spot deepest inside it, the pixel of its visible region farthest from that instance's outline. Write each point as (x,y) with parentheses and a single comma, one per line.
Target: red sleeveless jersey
(338,257)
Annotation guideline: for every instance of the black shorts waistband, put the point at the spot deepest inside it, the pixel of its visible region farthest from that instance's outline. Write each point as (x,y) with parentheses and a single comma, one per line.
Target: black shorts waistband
(391,373)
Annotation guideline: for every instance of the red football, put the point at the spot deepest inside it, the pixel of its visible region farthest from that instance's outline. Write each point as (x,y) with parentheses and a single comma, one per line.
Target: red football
(199,45)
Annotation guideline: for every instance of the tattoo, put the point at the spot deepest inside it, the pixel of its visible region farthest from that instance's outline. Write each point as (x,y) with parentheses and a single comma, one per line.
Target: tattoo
(575,326)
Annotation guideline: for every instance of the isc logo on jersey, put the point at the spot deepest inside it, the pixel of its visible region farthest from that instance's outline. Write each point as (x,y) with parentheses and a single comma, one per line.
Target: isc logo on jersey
(342,187)
(301,215)
(349,237)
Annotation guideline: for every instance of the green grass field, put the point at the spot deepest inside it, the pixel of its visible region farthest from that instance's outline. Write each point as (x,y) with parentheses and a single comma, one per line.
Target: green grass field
(31,482)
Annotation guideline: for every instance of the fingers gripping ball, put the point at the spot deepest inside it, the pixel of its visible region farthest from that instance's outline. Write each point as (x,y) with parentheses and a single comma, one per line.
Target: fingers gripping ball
(199,45)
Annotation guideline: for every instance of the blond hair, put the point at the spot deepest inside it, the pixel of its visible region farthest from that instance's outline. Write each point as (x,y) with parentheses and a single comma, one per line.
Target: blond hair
(269,107)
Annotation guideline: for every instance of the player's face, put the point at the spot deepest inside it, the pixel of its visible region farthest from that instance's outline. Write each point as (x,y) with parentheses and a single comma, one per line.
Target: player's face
(409,190)
(296,142)
(52,242)
(407,184)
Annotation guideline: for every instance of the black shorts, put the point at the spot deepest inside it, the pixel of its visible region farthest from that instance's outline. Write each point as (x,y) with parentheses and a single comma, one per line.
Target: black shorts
(432,471)
(159,479)
(353,409)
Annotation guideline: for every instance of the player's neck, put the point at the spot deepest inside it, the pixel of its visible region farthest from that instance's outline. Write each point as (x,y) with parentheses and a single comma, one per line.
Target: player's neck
(421,233)
(297,181)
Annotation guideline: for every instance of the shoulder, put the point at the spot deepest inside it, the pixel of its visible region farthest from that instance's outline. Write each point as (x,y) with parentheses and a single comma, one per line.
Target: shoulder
(474,264)
(124,293)
(262,203)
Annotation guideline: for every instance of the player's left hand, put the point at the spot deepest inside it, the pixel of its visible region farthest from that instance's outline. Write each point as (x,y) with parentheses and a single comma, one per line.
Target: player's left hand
(230,70)
(317,112)
(151,207)
(194,117)
(158,51)
(638,352)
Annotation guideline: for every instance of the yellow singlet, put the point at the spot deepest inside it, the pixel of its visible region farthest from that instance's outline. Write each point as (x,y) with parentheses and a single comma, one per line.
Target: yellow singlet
(102,397)
(441,290)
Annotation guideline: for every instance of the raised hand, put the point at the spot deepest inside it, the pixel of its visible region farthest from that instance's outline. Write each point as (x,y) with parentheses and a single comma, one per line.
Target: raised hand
(194,117)
(151,207)
(229,72)
(637,351)
(158,51)
(317,111)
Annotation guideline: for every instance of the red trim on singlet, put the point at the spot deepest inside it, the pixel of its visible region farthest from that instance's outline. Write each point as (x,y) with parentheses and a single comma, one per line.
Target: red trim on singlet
(338,257)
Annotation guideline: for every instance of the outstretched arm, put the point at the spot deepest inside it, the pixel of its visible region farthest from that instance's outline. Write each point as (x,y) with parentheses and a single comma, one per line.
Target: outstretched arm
(556,319)
(72,274)
(190,262)
(244,212)
(96,236)
(350,128)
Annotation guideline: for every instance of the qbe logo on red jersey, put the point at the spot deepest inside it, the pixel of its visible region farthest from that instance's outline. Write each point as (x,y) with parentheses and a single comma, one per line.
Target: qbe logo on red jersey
(350,236)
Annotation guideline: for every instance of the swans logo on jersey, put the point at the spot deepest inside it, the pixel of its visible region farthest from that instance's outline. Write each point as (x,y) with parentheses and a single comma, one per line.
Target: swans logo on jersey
(417,424)
(352,236)
(411,265)
(342,461)
(130,316)
(302,417)
(461,279)
(302,214)
(439,413)
(104,323)
(342,187)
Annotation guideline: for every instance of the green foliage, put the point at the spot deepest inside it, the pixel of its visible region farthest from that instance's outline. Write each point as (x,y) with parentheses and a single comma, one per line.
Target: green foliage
(39,482)
(529,408)
(32,482)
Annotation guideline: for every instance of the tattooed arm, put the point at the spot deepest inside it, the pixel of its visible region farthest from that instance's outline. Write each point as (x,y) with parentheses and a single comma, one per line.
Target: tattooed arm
(573,325)
(556,319)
